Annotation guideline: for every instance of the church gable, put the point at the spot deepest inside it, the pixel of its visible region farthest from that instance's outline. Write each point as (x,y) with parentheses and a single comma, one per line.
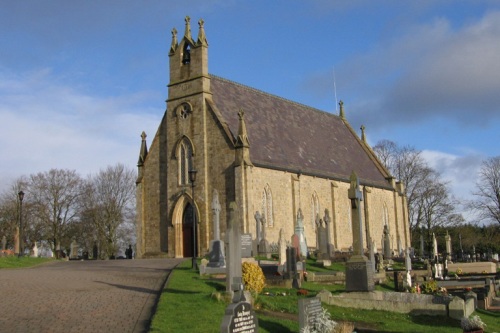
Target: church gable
(294,137)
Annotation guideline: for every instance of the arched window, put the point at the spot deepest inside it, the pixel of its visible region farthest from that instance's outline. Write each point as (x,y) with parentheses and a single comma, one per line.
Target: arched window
(267,206)
(385,217)
(185,159)
(315,209)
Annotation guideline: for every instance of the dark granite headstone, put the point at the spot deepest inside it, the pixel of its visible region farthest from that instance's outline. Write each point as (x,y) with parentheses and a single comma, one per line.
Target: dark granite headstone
(239,318)
(216,256)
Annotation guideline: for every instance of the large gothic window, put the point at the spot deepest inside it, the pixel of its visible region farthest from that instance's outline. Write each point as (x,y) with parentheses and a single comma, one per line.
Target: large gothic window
(267,205)
(185,159)
(315,209)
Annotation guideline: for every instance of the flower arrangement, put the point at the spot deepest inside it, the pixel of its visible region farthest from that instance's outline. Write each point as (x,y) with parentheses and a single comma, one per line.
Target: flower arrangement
(323,324)
(472,324)
(459,271)
(253,277)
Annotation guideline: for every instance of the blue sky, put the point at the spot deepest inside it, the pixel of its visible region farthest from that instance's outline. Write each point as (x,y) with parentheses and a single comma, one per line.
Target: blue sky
(80,80)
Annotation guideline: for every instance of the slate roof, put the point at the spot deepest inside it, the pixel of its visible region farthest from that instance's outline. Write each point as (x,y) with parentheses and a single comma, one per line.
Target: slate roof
(290,136)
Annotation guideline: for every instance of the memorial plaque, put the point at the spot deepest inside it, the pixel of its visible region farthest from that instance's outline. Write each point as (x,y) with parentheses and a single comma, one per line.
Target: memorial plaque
(239,318)
(246,245)
(309,310)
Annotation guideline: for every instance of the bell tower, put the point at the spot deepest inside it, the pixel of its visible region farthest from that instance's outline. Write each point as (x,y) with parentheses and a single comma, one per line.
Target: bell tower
(188,63)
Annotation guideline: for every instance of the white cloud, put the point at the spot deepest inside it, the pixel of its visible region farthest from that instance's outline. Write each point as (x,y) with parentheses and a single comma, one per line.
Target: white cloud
(47,124)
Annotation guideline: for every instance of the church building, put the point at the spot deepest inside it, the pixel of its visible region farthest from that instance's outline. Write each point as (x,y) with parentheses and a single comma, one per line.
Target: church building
(275,158)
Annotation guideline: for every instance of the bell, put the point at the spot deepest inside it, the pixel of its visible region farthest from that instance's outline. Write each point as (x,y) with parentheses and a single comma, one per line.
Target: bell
(186,57)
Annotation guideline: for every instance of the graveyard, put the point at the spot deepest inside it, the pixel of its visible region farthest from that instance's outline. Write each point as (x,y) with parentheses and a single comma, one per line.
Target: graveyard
(396,292)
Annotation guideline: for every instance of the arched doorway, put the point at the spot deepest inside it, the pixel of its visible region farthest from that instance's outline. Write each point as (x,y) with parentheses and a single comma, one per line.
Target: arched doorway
(187,231)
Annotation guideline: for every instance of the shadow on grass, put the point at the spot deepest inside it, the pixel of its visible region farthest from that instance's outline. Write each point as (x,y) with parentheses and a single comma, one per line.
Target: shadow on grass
(218,286)
(271,326)
(177,291)
(489,313)
(434,321)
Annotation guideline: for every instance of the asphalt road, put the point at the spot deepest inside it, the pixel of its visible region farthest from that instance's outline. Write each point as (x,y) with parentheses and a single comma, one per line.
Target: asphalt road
(82,296)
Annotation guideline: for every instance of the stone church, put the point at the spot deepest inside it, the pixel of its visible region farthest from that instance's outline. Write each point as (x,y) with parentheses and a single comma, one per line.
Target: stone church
(268,154)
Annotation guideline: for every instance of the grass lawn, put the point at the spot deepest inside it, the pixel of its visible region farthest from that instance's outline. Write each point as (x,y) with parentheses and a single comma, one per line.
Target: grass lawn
(186,305)
(21,262)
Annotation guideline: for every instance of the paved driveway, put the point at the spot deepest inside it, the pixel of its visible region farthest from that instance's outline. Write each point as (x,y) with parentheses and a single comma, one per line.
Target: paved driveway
(82,296)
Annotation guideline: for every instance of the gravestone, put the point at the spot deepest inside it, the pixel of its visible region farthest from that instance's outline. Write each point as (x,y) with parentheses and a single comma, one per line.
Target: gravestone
(359,272)
(239,316)
(291,266)
(246,245)
(263,249)
(4,243)
(434,247)
(35,251)
(322,240)
(282,248)
(408,260)
(309,311)
(447,239)
(299,231)
(387,243)
(74,250)
(329,246)
(216,254)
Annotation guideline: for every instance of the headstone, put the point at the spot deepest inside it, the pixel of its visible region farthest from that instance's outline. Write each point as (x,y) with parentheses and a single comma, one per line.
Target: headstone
(246,245)
(264,249)
(4,243)
(309,311)
(322,240)
(400,248)
(408,260)
(282,248)
(299,231)
(407,281)
(447,239)
(35,251)
(291,266)
(359,272)
(239,316)
(387,243)
(329,246)
(74,250)
(434,247)
(372,255)
(216,254)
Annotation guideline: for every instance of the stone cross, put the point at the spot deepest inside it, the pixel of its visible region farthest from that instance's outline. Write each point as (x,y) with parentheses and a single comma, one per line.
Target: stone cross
(234,282)
(408,260)
(327,220)
(447,239)
(299,231)
(434,247)
(257,221)
(216,208)
(356,197)
(282,247)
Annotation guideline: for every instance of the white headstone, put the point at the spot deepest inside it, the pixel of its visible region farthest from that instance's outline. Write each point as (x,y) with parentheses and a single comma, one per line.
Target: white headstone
(35,251)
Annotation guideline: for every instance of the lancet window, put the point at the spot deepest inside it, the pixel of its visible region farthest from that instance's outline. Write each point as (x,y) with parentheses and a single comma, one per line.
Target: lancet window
(185,158)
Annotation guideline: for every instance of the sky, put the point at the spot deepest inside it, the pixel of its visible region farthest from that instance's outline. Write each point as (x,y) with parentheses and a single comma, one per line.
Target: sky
(80,80)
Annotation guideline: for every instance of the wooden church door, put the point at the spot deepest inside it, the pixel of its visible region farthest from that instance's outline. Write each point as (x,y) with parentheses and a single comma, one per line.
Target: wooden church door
(187,231)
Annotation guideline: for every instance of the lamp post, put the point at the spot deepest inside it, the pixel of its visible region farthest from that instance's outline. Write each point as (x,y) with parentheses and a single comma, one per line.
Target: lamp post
(20,195)
(192,178)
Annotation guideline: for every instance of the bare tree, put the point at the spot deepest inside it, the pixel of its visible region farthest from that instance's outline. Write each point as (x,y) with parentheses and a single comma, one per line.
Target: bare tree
(108,204)
(429,203)
(54,196)
(487,203)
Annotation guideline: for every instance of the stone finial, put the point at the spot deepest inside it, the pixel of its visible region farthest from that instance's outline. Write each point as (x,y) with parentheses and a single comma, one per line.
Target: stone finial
(144,150)
(202,39)
(341,107)
(174,44)
(242,144)
(363,136)
(187,32)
